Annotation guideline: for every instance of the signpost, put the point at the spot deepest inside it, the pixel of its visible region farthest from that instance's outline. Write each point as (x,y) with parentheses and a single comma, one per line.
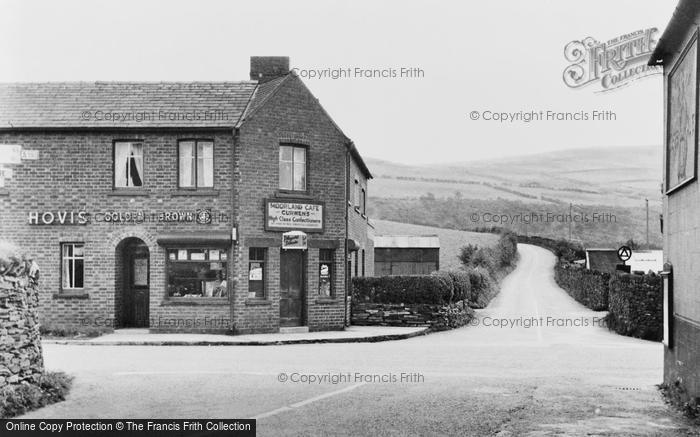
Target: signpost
(624,253)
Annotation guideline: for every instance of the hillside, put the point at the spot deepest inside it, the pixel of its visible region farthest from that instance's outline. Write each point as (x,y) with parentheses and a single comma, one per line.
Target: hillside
(610,183)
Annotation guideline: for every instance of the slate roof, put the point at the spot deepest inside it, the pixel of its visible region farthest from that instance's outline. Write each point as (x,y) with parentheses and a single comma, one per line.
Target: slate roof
(123,104)
(100,105)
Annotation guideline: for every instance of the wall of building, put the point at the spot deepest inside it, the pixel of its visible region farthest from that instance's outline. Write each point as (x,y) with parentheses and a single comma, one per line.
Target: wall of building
(681,243)
(360,229)
(74,172)
(291,115)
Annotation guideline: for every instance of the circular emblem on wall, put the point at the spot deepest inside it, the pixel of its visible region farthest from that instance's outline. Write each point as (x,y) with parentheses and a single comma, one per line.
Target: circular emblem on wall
(204,216)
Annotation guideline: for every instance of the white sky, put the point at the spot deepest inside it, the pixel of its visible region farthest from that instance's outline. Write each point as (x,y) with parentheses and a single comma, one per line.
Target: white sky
(504,55)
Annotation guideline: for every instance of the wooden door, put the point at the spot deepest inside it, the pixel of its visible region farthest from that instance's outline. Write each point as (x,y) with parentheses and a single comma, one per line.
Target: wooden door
(292,290)
(136,311)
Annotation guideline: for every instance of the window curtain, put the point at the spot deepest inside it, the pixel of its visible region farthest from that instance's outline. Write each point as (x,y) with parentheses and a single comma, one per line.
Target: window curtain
(137,165)
(186,164)
(66,268)
(121,153)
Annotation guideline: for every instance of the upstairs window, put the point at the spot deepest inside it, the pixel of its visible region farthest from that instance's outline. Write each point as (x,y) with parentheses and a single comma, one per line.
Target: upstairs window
(196,169)
(363,201)
(128,164)
(293,168)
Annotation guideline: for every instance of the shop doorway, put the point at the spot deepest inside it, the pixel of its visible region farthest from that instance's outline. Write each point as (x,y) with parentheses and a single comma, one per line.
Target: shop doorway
(135,273)
(292,290)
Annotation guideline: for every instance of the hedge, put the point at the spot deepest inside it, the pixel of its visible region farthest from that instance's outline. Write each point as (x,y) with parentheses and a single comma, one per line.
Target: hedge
(441,287)
(588,287)
(429,289)
(636,306)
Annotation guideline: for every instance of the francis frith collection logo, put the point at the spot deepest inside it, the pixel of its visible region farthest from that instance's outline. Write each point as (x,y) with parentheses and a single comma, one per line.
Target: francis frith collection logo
(612,64)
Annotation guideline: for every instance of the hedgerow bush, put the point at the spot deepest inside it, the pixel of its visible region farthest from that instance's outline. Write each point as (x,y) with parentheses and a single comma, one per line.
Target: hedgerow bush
(587,287)
(636,306)
(18,399)
(461,284)
(485,266)
(483,287)
(428,289)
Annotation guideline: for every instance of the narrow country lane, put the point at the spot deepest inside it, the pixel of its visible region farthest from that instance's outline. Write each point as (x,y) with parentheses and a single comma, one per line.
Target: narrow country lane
(534,363)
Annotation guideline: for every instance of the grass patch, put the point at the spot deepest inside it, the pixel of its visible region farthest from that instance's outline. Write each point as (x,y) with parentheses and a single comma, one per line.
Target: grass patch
(69,333)
(18,399)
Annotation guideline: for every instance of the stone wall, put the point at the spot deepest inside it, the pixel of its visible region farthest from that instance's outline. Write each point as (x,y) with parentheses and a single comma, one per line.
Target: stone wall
(20,342)
(437,317)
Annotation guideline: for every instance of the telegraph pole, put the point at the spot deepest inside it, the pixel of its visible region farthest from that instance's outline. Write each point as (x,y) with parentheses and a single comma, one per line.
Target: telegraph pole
(647,202)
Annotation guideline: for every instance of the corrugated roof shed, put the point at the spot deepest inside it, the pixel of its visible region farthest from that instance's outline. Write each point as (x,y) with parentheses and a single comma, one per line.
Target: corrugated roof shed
(406,241)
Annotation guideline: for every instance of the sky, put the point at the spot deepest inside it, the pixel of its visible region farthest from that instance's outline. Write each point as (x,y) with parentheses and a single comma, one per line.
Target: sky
(496,56)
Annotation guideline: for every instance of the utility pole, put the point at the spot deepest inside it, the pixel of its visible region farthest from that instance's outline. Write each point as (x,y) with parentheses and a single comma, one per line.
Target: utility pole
(647,202)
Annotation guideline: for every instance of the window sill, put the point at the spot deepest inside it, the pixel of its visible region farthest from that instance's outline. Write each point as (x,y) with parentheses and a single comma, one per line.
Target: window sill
(71,295)
(258,302)
(195,301)
(293,194)
(203,193)
(129,192)
(327,300)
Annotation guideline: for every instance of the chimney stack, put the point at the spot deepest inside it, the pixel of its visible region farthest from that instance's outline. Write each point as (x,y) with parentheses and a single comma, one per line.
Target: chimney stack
(265,68)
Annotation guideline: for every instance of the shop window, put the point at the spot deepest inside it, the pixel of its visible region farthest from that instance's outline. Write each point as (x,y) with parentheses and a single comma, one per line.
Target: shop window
(325,272)
(196,167)
(72,266)
(256,272)
(128,164)
(292,168)
(197,273)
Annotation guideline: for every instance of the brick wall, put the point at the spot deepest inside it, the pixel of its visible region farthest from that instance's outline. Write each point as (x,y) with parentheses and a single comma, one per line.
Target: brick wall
(73,173)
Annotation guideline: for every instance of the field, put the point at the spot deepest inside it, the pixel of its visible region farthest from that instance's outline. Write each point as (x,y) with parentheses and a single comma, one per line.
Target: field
(450,240)
(614,182)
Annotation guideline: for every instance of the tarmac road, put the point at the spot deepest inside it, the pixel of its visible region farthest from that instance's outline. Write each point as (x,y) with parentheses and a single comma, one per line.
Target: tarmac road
(534,363)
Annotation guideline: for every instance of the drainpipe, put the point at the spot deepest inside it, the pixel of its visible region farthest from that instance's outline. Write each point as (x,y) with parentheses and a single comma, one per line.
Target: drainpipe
(348,283)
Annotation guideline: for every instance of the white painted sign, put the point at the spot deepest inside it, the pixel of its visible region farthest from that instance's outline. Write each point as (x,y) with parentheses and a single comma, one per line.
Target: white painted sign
(282,215)
(10,154)
(294,240)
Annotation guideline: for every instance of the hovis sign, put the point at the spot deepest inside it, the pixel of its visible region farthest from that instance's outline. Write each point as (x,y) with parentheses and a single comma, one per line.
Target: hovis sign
(287,215)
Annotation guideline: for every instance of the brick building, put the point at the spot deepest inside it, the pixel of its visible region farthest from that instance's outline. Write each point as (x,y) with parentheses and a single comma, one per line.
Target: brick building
(677,51)
(201,206)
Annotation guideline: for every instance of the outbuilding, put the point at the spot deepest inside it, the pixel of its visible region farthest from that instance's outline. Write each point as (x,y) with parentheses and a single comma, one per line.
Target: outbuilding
(406,254)
(677,52)
(233,207)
